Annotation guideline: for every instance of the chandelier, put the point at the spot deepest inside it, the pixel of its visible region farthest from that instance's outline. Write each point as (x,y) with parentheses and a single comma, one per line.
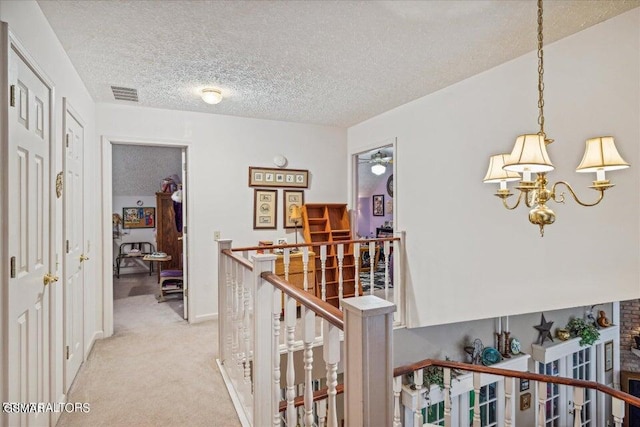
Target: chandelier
(529,156)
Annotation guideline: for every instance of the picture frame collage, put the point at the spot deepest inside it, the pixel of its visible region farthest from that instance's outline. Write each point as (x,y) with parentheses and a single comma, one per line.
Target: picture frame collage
(265,200)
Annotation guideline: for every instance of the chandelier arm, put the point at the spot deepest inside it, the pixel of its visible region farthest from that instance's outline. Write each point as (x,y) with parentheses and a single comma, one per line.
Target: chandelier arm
(529,197)
(560,198)
(504,202)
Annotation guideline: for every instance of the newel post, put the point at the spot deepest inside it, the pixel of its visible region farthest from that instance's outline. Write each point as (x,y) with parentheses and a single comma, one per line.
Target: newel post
(223,303)
(263,357)
(368,384)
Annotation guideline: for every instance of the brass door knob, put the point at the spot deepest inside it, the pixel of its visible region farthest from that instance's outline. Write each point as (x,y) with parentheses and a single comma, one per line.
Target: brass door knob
(83,258)
(49,278)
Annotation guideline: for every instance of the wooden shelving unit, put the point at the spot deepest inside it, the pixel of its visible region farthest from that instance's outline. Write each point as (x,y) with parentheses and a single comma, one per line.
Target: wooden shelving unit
(329,222)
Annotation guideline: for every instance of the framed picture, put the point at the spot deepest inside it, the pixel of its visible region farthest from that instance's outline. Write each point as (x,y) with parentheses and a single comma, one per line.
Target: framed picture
(265,209)
(269,177)
(525,401)
(138,217)
(378,205)
(524,385)
(608,356)
(291,197)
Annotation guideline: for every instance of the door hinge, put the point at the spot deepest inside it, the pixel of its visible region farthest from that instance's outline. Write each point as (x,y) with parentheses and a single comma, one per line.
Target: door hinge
(13,267)
(186,292)
(67,246)
(67,352)
(67,140)
(12,96)
(184,229)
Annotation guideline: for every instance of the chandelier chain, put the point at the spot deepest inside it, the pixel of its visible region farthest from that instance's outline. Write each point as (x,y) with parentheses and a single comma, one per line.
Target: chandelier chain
(540,73)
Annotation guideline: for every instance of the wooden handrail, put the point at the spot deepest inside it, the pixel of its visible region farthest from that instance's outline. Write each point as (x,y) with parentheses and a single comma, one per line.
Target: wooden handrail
(240,260)
(403,370)
(325,310)
(299,245)
(323,393)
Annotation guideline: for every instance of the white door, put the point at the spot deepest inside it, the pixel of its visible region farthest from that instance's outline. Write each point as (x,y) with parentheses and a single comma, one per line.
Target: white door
(74,257)
(185,278)
(29,238)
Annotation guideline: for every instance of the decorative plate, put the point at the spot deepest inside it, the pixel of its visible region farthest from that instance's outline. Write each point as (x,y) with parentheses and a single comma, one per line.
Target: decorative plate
(515,346)
(490,356)
(390,185)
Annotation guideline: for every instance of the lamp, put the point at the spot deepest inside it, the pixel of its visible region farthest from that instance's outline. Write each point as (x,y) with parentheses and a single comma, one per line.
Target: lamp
(295,215)
(529,156)
(378,169)
(211,96)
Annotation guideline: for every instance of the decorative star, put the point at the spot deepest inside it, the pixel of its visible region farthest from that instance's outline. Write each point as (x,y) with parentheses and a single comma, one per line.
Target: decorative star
(545,330)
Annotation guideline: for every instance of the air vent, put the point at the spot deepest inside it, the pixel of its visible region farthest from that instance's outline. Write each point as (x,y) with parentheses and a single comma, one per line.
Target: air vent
(125,93)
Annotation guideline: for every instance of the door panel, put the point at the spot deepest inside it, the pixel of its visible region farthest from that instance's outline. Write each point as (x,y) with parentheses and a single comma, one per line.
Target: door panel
(29,240)
(74,250)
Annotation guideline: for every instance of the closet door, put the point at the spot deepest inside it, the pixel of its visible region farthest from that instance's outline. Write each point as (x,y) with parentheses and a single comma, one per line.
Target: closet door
(167,234)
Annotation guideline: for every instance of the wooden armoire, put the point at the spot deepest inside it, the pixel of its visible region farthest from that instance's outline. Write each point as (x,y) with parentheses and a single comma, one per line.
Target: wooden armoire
(167,232)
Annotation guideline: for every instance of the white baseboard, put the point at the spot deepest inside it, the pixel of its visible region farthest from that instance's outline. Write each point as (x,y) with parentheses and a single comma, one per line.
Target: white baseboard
(205,317)
(97,335)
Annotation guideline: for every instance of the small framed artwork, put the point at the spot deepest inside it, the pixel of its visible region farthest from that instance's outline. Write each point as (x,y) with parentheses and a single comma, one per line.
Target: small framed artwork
(378,205)
(270,177)
(138,217)
(525,401)
(524,385)
(291,197)
(265,209)
(608,355)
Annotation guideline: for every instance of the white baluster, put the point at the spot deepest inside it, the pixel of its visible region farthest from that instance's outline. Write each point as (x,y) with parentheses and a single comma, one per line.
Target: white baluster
(323,268)
(617,410)
(290,321)
(542,404)
(508,401)
(418,381)
(305,268)
(331,353)
(309,318)
(236,315)
(578,402)
(340,279)
(372,256)
(397,388)
(476,400)
(356,259)
(386,247)
(276,311)
(321,409)
(446,373)
(286,261)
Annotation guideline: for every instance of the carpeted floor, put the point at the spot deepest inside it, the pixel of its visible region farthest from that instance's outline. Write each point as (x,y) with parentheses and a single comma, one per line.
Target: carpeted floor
(156,370)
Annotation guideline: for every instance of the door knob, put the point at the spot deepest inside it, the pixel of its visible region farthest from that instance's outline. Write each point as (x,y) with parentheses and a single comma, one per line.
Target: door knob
(49,278)
(83,258)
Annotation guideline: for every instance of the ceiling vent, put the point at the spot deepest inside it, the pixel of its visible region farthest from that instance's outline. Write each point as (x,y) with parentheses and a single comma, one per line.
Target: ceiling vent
(125,93)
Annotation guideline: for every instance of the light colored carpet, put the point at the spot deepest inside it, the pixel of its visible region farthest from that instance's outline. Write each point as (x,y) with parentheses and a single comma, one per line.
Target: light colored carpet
(156,370)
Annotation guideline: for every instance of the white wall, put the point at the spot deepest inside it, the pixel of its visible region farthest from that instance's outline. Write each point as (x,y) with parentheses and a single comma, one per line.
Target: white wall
(468,257)
(27,22)
(221,150)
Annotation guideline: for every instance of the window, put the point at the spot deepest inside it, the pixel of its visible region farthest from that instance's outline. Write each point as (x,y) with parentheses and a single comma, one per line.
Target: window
(488,405)
(582,368)
(434,414)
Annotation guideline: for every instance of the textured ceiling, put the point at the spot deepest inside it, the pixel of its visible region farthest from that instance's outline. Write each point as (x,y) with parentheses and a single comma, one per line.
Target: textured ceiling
(325,62)
(138,170)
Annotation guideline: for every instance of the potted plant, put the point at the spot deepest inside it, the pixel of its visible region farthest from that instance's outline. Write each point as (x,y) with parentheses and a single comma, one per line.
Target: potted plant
(580,328)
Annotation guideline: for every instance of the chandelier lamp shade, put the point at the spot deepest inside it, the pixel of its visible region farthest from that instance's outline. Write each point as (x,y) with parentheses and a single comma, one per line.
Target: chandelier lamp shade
(211,95)
(529,156)
(378,169)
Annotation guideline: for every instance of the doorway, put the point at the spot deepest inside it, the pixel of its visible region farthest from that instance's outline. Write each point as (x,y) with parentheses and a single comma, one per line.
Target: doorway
(145,246)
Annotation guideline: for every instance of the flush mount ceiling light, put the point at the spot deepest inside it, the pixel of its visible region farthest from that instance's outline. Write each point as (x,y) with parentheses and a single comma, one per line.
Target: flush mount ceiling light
(529,155)
(211,96)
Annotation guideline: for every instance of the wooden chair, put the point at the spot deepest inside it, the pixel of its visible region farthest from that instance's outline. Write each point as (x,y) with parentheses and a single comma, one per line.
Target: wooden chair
(365,262)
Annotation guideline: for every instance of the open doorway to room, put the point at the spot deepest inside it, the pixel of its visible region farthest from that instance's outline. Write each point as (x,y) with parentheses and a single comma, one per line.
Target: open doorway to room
(148,220)
(374,213)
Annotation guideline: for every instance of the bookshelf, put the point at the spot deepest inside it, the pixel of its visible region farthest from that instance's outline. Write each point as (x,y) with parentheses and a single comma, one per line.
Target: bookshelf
(329,222)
